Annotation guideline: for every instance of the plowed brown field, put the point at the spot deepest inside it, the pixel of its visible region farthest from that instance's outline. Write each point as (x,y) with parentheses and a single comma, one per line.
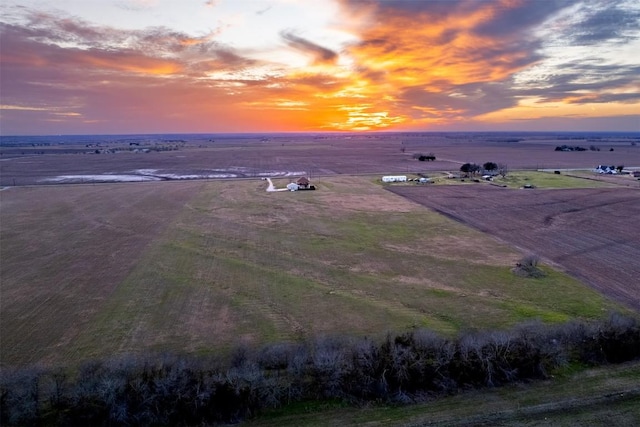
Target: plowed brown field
(594,234)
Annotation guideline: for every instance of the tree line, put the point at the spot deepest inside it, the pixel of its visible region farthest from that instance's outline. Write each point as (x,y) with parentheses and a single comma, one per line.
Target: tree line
(473,169)
(406,368)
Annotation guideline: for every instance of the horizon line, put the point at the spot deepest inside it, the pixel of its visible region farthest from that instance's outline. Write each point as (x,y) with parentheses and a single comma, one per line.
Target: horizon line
(347,133)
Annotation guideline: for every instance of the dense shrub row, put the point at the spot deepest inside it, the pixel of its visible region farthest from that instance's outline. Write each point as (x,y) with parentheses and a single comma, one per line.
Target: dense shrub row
(401,369)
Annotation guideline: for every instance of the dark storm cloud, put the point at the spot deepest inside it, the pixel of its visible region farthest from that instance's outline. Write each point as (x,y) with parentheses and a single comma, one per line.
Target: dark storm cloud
(319,53)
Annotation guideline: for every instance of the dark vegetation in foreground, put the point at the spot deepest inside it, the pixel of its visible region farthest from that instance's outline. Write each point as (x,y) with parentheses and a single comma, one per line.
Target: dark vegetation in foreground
(407,368)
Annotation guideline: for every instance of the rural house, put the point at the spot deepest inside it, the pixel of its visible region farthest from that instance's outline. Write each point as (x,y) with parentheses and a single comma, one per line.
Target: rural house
(303,183)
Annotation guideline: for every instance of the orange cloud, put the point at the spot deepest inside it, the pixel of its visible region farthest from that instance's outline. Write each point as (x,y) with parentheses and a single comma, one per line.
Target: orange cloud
(125,62)
(407,67)
(414,65)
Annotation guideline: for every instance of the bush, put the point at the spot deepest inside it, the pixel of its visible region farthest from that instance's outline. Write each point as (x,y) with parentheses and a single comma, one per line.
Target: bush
(424,157)
(528,267)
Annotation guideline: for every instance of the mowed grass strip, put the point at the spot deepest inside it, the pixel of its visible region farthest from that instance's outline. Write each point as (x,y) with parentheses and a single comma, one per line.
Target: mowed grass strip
(243,265)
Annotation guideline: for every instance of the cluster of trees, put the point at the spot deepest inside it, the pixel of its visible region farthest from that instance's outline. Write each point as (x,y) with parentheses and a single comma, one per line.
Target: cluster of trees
(570,148)
(473,169)
(401,369)
(145,148)
(424,157)
(578,148)
(470,168)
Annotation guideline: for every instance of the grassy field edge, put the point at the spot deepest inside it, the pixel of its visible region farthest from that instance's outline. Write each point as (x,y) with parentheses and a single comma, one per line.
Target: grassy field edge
(602,396)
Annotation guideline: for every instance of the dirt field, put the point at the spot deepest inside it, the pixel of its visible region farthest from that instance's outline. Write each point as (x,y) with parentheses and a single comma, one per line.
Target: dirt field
(594,234)
(198,267)
(251,156)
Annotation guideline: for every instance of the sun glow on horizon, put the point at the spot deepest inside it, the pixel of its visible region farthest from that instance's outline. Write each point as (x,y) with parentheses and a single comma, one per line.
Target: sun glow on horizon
(342,65)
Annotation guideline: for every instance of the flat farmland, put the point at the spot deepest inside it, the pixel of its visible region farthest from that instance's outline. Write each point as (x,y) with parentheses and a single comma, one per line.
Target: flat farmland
(65,250)
(278,155)
(594,234)
(198,267)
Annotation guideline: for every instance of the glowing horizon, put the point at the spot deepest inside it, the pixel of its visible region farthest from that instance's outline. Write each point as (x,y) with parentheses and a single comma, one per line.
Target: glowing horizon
(162,66)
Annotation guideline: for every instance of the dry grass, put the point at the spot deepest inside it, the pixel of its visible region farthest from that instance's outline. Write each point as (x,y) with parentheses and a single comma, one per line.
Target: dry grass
(199,267)
(64,251)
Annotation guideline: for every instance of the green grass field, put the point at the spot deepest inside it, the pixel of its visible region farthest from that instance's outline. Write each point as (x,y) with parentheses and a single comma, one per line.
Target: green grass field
(539,179)
(201,267)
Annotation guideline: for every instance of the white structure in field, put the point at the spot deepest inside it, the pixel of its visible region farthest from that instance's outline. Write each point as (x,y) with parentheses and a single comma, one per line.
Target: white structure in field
(610,170)
(394,178)
(292,186)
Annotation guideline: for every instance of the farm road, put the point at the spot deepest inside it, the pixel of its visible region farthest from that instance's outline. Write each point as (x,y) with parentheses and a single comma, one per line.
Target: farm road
(272,187)
(593,234)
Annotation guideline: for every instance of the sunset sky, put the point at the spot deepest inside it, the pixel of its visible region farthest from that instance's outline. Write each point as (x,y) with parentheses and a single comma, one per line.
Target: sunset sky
(193,66)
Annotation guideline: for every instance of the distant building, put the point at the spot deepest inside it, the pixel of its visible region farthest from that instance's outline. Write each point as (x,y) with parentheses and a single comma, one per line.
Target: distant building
(610,170)
(292,186)
(394,178)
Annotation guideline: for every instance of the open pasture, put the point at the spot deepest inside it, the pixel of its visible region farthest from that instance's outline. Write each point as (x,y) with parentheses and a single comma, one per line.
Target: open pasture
(198,267)
(567,180)
(318,155)
(594,234)
(64,251)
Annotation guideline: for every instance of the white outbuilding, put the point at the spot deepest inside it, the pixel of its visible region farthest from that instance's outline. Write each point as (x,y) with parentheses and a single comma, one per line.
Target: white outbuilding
(394,178)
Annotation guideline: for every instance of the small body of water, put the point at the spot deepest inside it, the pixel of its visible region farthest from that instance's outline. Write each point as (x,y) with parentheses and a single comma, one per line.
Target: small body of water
(140,175)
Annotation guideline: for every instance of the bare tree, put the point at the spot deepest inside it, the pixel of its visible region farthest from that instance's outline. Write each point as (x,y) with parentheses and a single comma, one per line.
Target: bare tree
(503,169)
